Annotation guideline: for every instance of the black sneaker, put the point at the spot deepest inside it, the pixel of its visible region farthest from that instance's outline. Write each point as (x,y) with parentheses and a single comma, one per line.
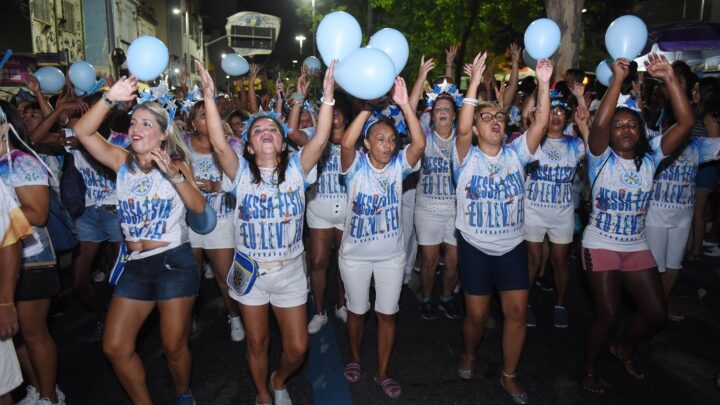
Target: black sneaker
(450,308)
(427,310)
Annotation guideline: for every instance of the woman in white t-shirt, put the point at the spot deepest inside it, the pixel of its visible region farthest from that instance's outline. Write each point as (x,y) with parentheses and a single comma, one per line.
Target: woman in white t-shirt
(372,244)
(490,189)
(219,244)
(549,208)
(615,253)
(269,185)
(326,201)
(154,190)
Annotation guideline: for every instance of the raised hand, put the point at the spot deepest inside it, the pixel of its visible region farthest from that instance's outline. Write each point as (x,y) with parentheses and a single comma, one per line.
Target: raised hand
(658,67)
(329,81)
(450,54)
(31,82)
(515,53)
(183,77)
(399,92)
(478,67)
(500,94)
(426,66)
(123,90)
(205,80)
(74,106)
(279,88)
(254,70)
(577,89)
(621,69)
(164,163)
(467,69)
(302,83)
(543,70)
(581,117)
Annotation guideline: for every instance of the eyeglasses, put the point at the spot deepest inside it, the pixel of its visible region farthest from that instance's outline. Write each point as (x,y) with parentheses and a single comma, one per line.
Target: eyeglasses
(487,117)
(626,124)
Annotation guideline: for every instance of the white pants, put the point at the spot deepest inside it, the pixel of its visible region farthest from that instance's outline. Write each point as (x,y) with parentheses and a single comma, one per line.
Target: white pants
(410,241)
(667,246)
(356,276)
(9,368)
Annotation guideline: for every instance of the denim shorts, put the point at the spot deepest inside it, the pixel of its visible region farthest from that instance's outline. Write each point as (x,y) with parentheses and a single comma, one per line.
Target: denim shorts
(164,276)
(98,224)
(482,272)
(706,177)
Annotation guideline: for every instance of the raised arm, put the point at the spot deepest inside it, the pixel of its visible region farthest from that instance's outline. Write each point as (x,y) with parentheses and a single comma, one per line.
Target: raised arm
(659,68)
(252,100)
(226,156)
(32,83)
(86,128)
(450,54)
(599,138)
(425,67)
(512,87)
(536,131)
(315,147)
(40,133)
(467,111)
(350,137)
(417,137)
(279,96)
(296,101)
(581,118)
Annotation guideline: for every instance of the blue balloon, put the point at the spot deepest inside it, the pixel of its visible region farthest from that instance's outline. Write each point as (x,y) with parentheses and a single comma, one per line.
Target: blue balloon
(529,61)
(394,44)
(367,73)
(337,36)
(626,37)
(82,75)
(604,73)
(542,38)
(147,57)
(312,63)
(51,79)
(234,65)
(204,222)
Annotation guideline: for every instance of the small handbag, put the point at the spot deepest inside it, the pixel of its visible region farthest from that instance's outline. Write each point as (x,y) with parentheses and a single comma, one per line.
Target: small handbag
(243,274)
(119,265)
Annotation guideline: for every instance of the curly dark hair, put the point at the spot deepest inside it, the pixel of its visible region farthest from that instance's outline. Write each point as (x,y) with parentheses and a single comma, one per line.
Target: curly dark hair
(283,158)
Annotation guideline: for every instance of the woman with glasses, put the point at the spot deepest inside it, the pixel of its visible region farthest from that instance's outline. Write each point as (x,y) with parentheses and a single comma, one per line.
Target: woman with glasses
(490,218)
(621,166)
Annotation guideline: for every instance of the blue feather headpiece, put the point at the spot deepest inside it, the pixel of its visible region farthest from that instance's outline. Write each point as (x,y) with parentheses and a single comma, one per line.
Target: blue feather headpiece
(444,88)
(391,112)
(558,100)
(161,95)
(628,101)
(192,97)
(264,114)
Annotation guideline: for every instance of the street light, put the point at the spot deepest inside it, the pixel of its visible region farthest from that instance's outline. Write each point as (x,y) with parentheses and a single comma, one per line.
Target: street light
(300,38)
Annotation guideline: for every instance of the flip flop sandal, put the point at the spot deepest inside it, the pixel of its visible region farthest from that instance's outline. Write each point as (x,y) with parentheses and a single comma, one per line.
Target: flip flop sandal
(352,372)
(390,387)
(596,388)
(629,364)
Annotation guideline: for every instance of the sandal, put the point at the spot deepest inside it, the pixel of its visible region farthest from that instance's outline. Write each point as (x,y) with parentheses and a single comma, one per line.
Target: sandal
(629,364)
(591,383)
(520,398)
(390,387)
(466,374)
(352,372)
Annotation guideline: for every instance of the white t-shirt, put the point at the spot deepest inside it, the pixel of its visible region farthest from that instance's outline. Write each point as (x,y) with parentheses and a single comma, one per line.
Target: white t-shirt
(329,189)
(149,206)
(620,199)
(490,196)
(673,196)
(549,188)
(268,216)
(435,190)
(99,180)
(373,224)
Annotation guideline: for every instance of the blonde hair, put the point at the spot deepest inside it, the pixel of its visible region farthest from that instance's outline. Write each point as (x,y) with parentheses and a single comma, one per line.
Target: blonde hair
(173,143)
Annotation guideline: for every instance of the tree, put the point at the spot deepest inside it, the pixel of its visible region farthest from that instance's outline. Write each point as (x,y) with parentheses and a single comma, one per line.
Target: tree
(568,15)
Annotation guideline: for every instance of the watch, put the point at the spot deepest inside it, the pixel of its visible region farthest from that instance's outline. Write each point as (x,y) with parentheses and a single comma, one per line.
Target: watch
(178,180)
(109,103)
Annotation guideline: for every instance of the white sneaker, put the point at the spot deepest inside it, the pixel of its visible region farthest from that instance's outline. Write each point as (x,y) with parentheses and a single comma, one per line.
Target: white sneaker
(709,243)
(208,271)
(60,394)
(316,323)
(341,313)
(280,397)
(31,397)
(237,332)
(99,277)
(712,252)
(46,401)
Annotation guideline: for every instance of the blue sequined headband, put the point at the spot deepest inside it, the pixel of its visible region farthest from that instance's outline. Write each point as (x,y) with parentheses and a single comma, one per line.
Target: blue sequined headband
(264,114)
(444,88)
(391,112)
(162,96)
(558,100)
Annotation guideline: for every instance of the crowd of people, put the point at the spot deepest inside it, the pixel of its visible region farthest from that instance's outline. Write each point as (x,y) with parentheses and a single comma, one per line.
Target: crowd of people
(500,184)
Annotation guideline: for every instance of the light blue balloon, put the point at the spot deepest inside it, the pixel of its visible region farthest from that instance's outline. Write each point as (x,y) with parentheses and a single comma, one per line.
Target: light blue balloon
(82,75)
(337,36)
(367,73)
(626,37)
(604,73)
(51,79)
(394,44)
(529,61)
(542,38)
(147,57)
(234,65)
(312,63)
(204,222)
(78,92)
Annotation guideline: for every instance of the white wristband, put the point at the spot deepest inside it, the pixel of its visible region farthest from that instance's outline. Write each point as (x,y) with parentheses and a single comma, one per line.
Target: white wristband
(471,101)
(322,100)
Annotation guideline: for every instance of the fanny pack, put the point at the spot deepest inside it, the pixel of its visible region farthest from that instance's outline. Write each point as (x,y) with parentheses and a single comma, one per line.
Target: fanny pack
(119,266)
(243,274)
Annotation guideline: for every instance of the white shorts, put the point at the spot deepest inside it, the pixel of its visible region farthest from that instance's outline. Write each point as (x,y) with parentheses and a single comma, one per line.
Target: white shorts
(667,246)
(434,228)
(535,233)
(9,368)
(222,237)
(326,215)
(356,276)
(284,287)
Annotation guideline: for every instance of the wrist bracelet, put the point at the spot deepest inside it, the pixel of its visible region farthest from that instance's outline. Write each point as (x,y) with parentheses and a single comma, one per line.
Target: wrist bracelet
(322,100)
(298,96)
(7,304)
(178,180)
(109,103)
(470,101)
